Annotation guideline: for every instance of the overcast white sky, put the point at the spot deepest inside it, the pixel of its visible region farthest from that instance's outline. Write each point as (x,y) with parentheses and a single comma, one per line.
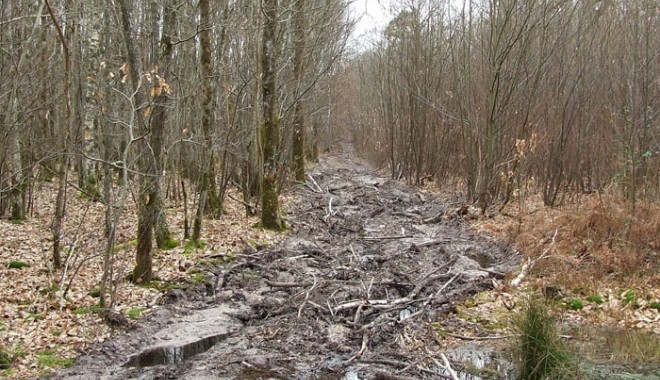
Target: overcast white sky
(373,15)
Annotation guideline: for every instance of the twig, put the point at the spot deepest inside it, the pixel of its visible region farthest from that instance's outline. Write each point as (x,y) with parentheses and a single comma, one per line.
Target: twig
(451,371)
(365,340)
(329,214)
(274,284)
(428,300)
(417,246)
(530,263)
(492,337)
(314,186)
(252,208)
(302,305)
(395,237)
(389,362)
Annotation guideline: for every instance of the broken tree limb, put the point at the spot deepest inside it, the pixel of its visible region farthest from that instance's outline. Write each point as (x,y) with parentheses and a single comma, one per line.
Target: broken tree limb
(252,208)
(477,338)
(330,212)
(395,237)
(363,348)
(431,297)
(452,372)
(302,305)
(313,185)
(530,263)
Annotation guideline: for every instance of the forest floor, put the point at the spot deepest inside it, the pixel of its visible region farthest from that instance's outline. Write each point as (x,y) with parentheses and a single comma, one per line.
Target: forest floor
(374,280)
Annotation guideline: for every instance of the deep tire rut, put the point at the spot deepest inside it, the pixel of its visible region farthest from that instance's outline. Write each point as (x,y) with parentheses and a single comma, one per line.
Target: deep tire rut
(351,294)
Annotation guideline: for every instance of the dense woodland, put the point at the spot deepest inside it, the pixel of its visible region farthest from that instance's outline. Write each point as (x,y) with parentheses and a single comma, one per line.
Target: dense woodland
(504,97)
(539,117)
(156,99)
(160,99)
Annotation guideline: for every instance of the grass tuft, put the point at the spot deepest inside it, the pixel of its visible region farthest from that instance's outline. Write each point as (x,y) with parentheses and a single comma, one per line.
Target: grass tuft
(540,353)
(15,264)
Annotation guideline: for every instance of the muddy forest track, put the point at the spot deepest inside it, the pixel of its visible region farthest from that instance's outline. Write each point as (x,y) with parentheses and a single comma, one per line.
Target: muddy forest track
(351,294)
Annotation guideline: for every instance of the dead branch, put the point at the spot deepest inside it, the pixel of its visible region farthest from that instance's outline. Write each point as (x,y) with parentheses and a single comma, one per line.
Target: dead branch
(530,263)
(274,284)
(330,212)
(395,237)
(251,207)
(363,348)
(302,305)
(447,367)
(431,297)
(313,185)
(476,338)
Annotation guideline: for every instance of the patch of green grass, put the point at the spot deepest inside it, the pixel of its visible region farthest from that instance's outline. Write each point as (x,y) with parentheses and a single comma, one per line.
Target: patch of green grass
(654,305)
(16,264)
(18,352)
(171,243)
(5,360)
(16,222)
(50,290)
(540,354)
(95,291)
(629,298)
(3,327)
(87,310)
(198,278)
(33,317)
(163,286)
(250,275)
(48,359)
(191,246)
(7,372)
(595,298)
(574,304)
(257,244)
(135,312)
(125,245)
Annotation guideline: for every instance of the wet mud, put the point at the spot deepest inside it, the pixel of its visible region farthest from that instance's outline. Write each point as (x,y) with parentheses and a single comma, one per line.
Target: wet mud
(354,292)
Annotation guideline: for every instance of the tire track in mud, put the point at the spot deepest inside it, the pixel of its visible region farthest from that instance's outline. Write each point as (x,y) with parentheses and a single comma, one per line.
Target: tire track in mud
(351,294)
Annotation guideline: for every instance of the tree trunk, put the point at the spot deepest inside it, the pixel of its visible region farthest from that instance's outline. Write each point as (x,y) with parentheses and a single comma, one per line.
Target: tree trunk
(147,197)
(298,117)
(270,207)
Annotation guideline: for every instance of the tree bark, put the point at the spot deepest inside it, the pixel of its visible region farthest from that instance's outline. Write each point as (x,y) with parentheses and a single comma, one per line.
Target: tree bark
(270,208)
(147,197)
(298,148)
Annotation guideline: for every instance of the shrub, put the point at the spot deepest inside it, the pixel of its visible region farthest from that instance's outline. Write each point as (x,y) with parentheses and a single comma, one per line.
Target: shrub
(574,304)
(540,353)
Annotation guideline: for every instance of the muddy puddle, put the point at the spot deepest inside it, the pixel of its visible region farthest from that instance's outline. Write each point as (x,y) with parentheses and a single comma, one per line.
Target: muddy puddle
(351,294)
(165,355)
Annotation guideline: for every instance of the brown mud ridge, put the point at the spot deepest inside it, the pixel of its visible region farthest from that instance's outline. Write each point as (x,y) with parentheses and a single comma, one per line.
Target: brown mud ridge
(351,294)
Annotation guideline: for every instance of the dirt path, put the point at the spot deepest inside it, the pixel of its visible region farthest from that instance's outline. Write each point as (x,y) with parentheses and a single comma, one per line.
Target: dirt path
(350,295)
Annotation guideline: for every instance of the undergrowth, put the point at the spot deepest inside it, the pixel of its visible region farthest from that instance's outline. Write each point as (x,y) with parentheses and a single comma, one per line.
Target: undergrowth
(540,353)
(602,241)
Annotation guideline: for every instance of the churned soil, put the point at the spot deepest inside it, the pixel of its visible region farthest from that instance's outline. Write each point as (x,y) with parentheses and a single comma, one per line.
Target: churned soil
(370,272)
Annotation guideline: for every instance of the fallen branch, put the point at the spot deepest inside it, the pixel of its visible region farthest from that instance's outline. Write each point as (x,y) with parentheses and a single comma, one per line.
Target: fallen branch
(476,338)
(431,297)
(530,263)
(314,186)
(302,305)
(395,237)
(448,368)
(365,340)
(330,213)
(252,208)
(274,284)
